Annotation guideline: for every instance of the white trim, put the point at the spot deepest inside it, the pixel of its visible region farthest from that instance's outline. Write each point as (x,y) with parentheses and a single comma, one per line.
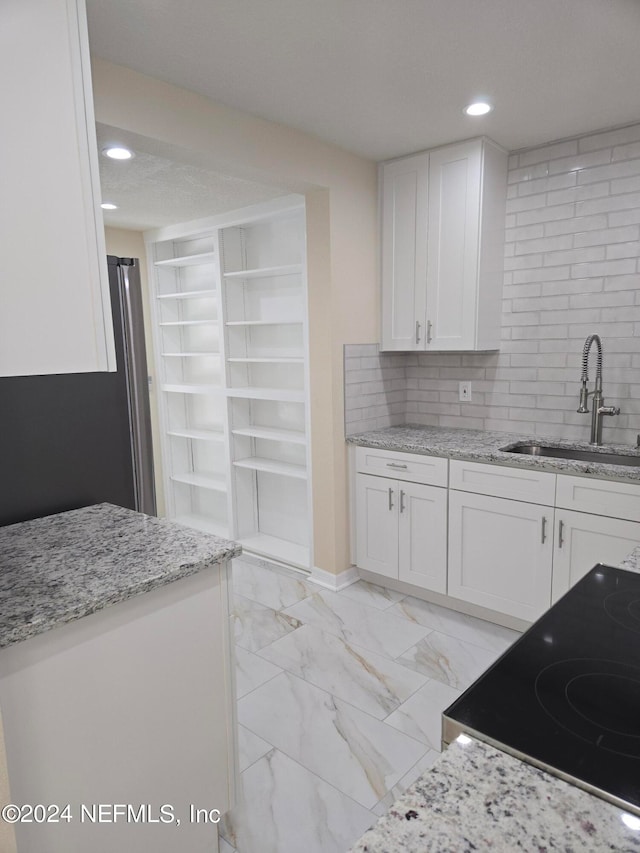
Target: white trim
(334,582)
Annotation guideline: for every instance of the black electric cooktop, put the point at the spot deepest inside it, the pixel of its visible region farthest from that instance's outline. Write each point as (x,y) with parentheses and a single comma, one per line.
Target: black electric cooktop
(566,695)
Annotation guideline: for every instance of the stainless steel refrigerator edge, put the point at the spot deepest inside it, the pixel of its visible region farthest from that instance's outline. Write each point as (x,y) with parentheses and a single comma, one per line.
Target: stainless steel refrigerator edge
(124,274)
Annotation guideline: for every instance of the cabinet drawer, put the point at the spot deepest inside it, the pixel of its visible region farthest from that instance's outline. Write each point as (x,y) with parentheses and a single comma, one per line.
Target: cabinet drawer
(413,467)
(500,481)
(600,497)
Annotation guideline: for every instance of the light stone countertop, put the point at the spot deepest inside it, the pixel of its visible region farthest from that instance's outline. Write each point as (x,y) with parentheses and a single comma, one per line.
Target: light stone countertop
(476,797)
(63,567)
(484,446)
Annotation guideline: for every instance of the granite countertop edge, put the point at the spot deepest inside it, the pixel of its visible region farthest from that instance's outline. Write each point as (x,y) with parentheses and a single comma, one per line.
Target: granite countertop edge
(63,567)
(476,797)
(485,446)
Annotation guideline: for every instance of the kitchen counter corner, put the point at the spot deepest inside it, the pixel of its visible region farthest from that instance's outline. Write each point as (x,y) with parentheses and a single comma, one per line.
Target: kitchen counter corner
(62,567)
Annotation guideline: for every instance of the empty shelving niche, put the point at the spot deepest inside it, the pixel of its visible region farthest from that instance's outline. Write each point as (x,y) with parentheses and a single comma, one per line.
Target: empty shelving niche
(232,347)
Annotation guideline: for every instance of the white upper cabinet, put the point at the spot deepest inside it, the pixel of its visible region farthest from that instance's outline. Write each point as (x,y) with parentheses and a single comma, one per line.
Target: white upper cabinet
(404,186)
(55,314)
(443,216)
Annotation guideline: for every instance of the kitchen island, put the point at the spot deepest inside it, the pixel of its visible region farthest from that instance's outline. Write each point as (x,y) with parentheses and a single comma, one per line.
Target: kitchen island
(116,681)
(477,797)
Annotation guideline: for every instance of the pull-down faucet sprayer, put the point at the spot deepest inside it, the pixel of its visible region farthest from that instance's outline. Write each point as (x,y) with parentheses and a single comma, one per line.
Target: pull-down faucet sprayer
(599,409)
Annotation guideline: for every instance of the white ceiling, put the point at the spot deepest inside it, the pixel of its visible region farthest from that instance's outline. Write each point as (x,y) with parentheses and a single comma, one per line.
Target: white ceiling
(157,188)
(387,77)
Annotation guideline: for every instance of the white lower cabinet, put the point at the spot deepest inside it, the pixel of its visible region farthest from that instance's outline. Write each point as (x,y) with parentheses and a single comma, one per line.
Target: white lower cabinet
(582,540)
(401,530)
(377,524)
(517,538)
(500,553)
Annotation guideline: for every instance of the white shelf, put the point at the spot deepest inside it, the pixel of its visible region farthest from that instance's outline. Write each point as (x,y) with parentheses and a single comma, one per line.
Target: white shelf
(189,294)
(200,434)
(280,395)
(263,323)
(271,434)
(214,482)
(266,272)
(278,549)
(277,360)
(189,322)
(192,389)
(271,466)
(188,260)
(190,354)
(206,525)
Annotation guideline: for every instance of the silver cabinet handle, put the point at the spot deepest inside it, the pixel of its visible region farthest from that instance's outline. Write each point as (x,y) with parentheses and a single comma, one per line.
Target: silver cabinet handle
(396,465)
(417,331)
(560,531)
(390,498)
(428,331)
(543,536)
(401,500)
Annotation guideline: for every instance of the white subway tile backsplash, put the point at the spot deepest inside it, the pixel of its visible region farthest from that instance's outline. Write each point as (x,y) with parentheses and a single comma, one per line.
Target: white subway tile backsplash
(572,268)
(623,250)
(548,152)
(577,162)
(609,138)
(545,214)
(576,224)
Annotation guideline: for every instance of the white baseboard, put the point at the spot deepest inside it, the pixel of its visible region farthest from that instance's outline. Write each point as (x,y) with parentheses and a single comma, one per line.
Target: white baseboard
(334,582)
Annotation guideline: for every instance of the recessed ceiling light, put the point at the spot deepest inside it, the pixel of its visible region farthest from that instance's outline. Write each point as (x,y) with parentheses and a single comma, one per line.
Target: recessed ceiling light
(106,205)
(479,108)
(117,153)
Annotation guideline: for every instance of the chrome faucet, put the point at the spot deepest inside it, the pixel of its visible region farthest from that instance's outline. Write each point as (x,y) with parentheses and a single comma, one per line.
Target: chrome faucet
(599,409)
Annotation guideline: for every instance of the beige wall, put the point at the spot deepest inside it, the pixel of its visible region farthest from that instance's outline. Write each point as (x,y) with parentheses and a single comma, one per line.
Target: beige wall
(341,193)
(130,244)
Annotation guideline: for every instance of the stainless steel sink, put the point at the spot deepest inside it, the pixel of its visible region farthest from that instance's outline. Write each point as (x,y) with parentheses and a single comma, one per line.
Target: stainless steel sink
(571,453)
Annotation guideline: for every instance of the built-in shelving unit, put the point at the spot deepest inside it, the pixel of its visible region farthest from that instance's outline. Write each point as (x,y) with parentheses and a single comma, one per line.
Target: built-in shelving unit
(191,379)
(231,318)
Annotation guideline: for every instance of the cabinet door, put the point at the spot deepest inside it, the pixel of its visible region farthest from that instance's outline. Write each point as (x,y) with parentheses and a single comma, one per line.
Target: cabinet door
(55,314)
(404,252)
(500,554)
(454,234)
(582,540)
(377,524)
(422,531)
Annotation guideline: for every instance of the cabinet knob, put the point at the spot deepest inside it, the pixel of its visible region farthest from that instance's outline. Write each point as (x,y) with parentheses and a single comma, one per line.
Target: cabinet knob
(401,500)
(428,331)
(560,532)
(543,534)
(390,498)
(417,331)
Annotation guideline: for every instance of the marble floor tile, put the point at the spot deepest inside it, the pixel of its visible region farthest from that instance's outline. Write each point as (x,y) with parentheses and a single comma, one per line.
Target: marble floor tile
(256,626)
(495,638)
(372,594)
(358,754)
(357,623)
(420,716)
(426,763)
(447,659)
(284,808)
(250,747)
(251,671)
(267,586)
(369,681)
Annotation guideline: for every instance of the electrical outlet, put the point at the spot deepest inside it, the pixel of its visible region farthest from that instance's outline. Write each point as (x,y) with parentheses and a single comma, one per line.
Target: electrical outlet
(464,392)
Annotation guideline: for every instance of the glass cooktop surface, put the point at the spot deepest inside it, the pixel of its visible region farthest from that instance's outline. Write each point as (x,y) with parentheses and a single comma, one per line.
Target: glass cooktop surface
(566,695)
